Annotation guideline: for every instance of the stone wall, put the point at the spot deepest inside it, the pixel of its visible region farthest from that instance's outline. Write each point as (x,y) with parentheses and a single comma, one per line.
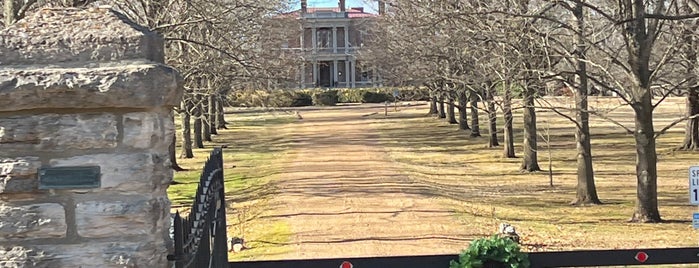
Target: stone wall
(85,87)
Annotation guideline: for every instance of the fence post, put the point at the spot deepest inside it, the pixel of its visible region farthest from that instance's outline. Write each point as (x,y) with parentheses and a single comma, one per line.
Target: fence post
(221,239)
(179,240)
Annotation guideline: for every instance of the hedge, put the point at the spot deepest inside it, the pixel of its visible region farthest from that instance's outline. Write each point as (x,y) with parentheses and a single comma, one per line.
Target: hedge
(325,98)
(307,97)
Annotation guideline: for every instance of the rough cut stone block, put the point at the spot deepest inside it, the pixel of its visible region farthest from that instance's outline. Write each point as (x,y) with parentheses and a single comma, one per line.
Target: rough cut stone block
(107,255)
(146,130)
(10,185)
(43,38)
(18,175)
(123,84)
(100,219)
(132,173)
(44,220)
(19,167)
(54,132)
(16,256)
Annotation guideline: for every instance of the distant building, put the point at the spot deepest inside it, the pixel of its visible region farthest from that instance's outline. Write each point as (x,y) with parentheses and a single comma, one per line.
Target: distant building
(331,39)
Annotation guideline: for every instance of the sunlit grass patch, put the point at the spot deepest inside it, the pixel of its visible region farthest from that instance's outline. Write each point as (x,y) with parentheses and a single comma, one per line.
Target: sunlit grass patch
(487,189)
(265,238)
(253,155)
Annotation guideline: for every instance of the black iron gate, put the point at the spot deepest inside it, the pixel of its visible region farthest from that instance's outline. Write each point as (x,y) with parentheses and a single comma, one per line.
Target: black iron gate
(200,237)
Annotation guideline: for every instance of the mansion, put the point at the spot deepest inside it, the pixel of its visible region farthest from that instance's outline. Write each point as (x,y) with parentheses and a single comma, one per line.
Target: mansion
(329,43)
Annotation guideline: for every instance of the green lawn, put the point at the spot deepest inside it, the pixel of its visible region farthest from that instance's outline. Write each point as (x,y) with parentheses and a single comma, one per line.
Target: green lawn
(475,181)
(488,189)
(252,159)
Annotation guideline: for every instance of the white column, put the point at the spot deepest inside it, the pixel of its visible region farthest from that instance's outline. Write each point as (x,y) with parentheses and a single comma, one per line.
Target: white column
(334,39)
(303,74)
(347,73)
(315,73)
(314,38)
(346,39)
(303,32)
(335,73)
(354,70)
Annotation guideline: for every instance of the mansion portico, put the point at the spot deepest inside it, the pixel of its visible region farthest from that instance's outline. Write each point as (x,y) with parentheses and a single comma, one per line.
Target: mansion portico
(331,39)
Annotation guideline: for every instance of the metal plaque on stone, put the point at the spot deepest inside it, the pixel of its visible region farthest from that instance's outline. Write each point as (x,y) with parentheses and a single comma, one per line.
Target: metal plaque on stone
(82,177)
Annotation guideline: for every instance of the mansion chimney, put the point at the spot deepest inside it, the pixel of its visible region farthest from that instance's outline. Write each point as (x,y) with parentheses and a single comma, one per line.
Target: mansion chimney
(304,6)
(341,3)
(382,7)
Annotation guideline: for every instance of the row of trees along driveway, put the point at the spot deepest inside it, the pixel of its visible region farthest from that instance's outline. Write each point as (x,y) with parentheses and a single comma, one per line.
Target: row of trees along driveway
(466,52)
(491,51)
(220,47)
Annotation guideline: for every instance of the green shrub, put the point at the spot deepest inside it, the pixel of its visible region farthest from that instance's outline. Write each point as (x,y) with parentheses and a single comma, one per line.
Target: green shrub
(350,95)
(278,99)
(274,98)
(296,98)
(492,252)
(325,98)
(376,97)
(358,95)
(301,99)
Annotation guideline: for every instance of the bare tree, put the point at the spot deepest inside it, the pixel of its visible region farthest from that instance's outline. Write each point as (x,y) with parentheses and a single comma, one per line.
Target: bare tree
(463,117)
(688,32)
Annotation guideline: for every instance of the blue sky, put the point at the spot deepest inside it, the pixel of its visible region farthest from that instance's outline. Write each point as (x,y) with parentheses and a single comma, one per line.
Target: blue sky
(369,5)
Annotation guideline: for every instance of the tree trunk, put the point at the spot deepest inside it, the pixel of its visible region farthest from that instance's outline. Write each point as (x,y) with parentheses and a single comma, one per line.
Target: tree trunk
(186,130)
(450,111)
(440,108)
(509,150)
(198,141)
(639,57)
(212,114)
(221,116)
(475,127)
(173,154)
(206,107)
(530,162)
(691,133)
(463,117)
(9,12)
(646,161)
(586,192)
(492,117)
(433,105)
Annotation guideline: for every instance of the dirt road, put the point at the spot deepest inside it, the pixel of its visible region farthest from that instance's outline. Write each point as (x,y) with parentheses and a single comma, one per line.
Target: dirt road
(343,196)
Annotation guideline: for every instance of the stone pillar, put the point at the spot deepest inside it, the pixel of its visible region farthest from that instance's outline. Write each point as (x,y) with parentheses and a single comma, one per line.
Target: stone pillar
(315,73)
(347,73)
(303,74)
(346,39)
(354,71)
(314,38)
(301,41)
(85,87)
(334,39)
(335,82)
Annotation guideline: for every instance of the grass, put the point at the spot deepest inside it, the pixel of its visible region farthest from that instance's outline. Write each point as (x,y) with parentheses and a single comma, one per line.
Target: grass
(463,175)
(268,236)
(250,167)
(490,189)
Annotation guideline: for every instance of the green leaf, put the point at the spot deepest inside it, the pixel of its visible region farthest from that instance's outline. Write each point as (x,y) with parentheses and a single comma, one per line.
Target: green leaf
(496,249)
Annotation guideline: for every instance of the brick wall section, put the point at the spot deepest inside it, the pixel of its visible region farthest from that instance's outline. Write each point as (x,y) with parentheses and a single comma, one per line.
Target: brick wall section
(85,87)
